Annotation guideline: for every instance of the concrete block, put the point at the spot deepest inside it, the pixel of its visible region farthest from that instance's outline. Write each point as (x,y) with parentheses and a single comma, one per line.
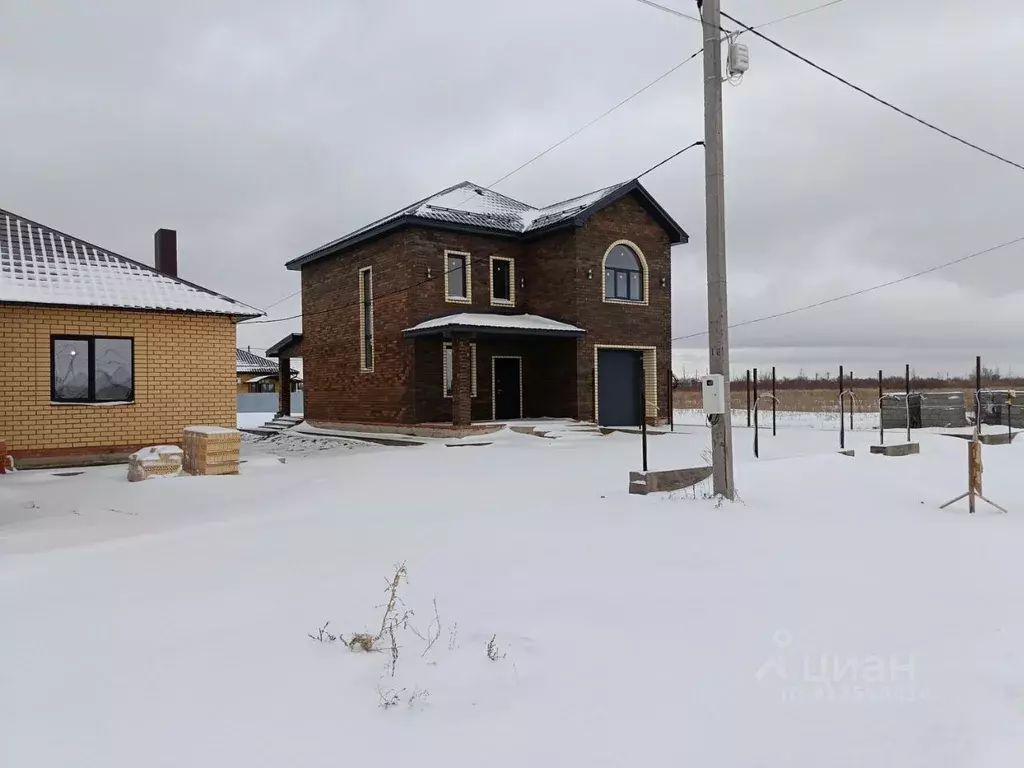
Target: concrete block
(997,438)
(155,461)
(643,483)
(899,449)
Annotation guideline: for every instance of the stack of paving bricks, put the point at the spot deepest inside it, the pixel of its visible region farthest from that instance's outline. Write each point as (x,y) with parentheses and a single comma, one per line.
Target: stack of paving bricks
(212,450)
(155,461)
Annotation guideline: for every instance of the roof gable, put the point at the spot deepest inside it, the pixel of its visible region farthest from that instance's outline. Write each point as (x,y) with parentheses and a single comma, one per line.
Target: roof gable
(40,265)
(247,362)
(470,207)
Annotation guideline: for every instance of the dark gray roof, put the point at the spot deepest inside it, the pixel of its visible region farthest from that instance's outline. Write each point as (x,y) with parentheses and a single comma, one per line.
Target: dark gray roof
(247,362)
(470,207)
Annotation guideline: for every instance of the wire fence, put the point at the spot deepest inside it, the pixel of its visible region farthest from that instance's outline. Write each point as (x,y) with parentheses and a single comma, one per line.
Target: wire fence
(844,402)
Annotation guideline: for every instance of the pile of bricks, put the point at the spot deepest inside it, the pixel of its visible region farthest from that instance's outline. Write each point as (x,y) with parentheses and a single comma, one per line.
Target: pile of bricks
(212,450)
(155,461)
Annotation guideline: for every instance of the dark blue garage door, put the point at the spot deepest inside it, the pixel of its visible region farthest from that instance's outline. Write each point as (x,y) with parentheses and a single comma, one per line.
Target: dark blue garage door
(618,387)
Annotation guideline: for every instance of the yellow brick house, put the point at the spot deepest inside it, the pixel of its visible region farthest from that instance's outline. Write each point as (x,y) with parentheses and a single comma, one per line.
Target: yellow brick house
(100,354)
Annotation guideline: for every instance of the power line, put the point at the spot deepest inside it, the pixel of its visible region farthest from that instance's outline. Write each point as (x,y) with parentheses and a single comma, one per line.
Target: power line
(872,96)
(797,14)
(673,11)
(862,291)
(279,301)
(473,262)
(673,156)
(603,115)
(679,13)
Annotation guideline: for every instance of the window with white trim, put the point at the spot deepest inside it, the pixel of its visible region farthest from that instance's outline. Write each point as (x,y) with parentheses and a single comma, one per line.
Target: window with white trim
(458,286)
(503,276)
(366,319)
(448,363)
(623,275)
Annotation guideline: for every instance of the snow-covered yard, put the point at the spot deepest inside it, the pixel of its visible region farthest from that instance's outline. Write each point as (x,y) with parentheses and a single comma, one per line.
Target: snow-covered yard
(834,617)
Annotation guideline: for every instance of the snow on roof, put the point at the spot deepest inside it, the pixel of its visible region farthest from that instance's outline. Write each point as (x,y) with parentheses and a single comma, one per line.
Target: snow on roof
(472,205)
(247,362)
(39,265)
(495,323)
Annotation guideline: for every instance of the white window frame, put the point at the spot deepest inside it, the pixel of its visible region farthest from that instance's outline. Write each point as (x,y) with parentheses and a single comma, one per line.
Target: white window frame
(363,298)
(643,267)
(511,300)
(445,390)
(468,270)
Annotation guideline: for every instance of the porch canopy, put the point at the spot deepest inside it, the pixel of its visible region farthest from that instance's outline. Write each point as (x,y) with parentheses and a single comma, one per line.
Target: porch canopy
(479,322)
(284,350)
(507,344)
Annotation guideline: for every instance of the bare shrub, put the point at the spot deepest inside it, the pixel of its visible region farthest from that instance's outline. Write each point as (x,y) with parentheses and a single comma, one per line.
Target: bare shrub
(322,635)
(493,652)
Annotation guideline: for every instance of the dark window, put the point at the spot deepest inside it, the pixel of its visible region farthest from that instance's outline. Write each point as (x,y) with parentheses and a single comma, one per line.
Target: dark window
(367,317)
(90,369)
(456,273)
(264,386)
(501,280)
(623,275)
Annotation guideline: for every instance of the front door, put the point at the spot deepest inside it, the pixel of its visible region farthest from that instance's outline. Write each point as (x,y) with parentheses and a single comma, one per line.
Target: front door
(507,395)
(618,387)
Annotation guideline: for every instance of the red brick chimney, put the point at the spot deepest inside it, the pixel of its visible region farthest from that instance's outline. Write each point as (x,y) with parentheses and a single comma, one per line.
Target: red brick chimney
(165,246)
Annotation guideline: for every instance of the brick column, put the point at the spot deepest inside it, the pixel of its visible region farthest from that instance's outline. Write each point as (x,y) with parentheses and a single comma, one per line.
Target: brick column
(462,380)
(284,386)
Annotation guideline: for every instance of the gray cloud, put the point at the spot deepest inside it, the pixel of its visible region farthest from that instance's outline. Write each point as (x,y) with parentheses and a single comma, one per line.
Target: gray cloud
(260,130)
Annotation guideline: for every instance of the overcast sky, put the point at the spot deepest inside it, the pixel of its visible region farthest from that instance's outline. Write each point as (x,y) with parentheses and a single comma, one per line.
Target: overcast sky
(260,130)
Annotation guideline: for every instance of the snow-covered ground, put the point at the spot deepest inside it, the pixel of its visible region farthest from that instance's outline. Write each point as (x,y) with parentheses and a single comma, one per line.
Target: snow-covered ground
(833,617)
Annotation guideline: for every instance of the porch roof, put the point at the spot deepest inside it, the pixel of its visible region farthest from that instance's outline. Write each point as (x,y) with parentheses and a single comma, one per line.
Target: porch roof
(479,322)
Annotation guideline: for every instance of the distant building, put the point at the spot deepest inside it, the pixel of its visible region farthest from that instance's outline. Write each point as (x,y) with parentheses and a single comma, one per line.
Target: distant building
(255,374)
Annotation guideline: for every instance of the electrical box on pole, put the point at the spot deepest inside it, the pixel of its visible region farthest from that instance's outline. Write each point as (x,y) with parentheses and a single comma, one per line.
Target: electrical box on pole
(714,394)
(738,60)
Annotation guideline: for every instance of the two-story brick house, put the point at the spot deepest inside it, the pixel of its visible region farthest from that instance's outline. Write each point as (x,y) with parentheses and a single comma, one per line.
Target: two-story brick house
(470,305)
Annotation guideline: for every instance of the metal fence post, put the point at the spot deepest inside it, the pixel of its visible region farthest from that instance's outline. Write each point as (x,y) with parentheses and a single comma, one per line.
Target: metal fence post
(774,401)
(748,397)
(842,413)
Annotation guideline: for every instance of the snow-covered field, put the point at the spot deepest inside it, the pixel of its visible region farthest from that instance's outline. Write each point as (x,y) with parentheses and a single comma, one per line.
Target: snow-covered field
(833,617)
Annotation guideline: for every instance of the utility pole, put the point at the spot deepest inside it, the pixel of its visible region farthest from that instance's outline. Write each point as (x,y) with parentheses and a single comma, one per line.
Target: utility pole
(718,313)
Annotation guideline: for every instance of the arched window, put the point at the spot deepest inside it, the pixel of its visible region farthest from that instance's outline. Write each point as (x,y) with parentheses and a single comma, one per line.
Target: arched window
(623,274)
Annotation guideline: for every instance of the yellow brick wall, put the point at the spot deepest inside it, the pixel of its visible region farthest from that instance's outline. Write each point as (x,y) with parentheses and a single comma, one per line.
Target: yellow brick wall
(184,375)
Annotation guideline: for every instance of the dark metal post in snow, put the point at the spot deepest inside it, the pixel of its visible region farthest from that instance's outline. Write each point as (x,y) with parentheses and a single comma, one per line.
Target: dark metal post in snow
(842,413)
(748,397)
(853,401)
(671,402)
(1009,417)
(755,397)
(774,401)
(643,414)
(881,424)
(977,393)
(908,402)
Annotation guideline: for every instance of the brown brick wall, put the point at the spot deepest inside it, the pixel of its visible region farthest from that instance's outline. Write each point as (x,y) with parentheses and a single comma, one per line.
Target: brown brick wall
(184,375)
(623,324)
(425,249)
(336,389)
